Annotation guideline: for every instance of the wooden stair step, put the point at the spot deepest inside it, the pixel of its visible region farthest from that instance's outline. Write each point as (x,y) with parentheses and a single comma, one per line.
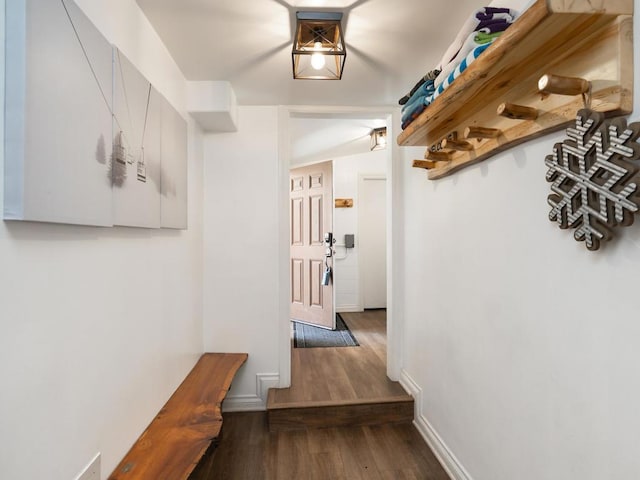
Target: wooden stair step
(342,413)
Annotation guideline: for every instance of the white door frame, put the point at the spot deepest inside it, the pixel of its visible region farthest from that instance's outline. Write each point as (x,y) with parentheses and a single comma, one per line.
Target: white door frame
(394,230)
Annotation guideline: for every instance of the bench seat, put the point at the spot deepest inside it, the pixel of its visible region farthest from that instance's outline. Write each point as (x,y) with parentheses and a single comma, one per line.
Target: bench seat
(186,427)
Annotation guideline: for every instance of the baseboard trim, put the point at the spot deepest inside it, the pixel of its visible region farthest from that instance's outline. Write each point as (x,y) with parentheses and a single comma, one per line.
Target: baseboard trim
(445,456)
(243,403)
(349,308)
(253,403)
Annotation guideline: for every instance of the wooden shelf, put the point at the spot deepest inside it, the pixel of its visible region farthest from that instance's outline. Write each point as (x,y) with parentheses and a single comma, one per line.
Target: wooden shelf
(588,39)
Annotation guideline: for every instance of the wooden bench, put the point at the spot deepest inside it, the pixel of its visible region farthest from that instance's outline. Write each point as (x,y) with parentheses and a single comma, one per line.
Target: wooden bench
(187,426)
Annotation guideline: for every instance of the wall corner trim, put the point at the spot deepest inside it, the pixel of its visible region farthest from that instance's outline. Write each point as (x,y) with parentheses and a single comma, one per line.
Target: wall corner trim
(445,456)
(253,403)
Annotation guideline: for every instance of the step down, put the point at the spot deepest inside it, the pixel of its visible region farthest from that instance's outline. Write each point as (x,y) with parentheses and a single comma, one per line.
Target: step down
(343,413)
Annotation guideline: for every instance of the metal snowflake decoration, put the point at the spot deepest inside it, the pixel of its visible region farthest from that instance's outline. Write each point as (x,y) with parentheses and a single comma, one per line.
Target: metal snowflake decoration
(594,182)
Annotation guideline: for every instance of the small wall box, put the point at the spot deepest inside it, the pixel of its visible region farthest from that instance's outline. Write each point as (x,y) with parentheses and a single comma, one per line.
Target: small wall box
(349,240)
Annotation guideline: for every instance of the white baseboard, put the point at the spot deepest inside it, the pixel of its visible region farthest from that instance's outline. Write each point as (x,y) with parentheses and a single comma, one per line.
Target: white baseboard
(445,456)
(253,403)
(243,403)
(349,308)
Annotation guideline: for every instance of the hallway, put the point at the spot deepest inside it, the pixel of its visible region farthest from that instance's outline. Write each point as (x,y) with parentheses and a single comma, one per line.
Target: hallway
(328,376)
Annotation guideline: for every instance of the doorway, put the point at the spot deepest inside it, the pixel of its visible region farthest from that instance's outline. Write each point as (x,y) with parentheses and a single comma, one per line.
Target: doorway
(372,226)
(392,198)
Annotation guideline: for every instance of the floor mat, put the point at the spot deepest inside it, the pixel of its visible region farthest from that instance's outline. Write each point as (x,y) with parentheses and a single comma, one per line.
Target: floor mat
(308,336)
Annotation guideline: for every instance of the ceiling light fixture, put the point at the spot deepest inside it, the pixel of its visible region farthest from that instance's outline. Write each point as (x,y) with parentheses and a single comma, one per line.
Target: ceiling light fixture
(318,47)
(378,138)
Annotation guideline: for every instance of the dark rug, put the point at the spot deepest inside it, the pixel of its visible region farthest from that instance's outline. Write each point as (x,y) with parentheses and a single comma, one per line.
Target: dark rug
(308,336)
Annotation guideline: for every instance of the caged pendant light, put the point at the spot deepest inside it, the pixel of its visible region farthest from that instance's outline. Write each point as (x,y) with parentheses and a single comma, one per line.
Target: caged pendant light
(378,138)
(318,46)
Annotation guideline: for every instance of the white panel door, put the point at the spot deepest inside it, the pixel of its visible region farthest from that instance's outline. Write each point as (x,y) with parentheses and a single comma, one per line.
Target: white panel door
(372,226)
(311,216)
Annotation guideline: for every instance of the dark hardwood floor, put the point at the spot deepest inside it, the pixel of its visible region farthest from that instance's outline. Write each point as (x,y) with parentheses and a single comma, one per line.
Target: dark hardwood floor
(334,377)
(248,451)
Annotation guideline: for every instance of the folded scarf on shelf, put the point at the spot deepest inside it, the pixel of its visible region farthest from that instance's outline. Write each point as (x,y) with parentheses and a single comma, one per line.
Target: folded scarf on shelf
(461,67)
(417,104)
(474,40)
(426,89)
(481,18)
(493,26)
(431,75)
(481,38)
(414,108)
(487,13)
(412,114)
(483,27)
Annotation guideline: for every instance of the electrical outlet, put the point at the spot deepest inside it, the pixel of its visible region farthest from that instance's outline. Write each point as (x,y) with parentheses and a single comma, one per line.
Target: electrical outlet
(91,471)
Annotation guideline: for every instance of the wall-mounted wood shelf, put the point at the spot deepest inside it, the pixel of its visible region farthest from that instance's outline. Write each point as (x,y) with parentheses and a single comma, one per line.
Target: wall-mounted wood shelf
(586,39)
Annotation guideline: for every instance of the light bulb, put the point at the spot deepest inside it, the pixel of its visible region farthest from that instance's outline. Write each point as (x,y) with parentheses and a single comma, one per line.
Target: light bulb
(382,141)
(317,59)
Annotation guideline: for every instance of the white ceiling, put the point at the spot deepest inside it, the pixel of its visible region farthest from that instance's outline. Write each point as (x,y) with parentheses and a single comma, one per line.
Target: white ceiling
(317,138)
(390,44)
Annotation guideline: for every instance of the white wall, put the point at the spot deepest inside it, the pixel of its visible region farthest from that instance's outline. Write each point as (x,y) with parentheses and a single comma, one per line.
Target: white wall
(345,220)
(523,345)
(97,326)
(241,289)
